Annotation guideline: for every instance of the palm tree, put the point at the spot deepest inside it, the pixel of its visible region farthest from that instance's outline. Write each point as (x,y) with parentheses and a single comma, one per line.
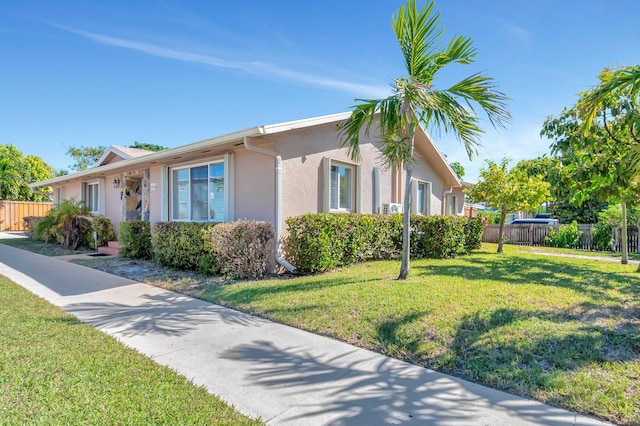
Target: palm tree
(415,100)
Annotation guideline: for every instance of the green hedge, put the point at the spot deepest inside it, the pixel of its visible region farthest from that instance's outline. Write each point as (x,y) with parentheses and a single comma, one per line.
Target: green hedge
(135,239)
(319,242)
(181,245)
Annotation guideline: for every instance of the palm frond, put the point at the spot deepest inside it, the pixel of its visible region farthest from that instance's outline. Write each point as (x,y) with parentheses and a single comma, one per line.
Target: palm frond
(418,33)
(480,89)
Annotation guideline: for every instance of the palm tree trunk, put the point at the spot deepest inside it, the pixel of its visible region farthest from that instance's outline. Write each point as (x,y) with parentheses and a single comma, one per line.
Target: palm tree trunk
(406,225)
(503,216)
(624,247)
(406,213)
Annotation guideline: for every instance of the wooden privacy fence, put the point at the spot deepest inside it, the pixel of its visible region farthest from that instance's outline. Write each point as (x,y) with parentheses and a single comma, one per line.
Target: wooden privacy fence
(12,213)
(534,235)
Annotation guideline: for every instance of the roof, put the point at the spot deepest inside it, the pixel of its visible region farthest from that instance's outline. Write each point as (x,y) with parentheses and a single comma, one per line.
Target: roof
(145,159)
(122,152)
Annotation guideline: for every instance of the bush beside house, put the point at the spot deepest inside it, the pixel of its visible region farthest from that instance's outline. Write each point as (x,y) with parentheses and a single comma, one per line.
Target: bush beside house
(181,245)
(319,242)
(135,239)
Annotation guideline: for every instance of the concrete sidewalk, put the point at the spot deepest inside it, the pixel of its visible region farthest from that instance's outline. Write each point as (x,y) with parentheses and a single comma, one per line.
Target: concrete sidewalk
(283,375)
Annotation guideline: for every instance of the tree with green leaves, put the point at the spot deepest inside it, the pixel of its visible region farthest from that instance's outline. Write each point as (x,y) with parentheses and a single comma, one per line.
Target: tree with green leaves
(147,146)
(18,171)
(415,101)
(509,191)
(608,115)
(86,156)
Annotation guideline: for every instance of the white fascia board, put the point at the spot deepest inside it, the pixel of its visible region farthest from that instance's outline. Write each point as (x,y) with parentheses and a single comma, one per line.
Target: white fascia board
(307,122)
(156,156)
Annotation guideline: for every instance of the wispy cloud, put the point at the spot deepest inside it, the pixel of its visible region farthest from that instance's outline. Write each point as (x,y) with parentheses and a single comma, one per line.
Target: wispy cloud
(518,33)
(249,67)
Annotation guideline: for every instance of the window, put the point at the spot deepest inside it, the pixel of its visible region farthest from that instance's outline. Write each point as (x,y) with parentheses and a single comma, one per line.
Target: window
(341,187)
(92,197)
(422,198)
(199,193)
(452,207)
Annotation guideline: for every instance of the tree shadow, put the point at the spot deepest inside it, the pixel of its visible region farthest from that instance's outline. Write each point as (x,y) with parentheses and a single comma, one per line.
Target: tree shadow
(165,313)
(358,387)
(526,359)
(245,294)
(396,343)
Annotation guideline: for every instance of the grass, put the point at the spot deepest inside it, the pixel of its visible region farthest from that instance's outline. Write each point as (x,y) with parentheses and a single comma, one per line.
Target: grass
(47,249)
(564,331)
(56,370)
(589,253)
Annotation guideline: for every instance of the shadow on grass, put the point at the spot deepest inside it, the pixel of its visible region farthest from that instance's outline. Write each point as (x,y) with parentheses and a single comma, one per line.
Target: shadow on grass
(398,344)
(532,347)
(553,272)
(349,387)
(245,294)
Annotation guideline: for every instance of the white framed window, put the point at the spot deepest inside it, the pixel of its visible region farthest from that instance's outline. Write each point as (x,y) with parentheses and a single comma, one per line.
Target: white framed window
(342,187)
(199,193)
(92,197)
(421,197)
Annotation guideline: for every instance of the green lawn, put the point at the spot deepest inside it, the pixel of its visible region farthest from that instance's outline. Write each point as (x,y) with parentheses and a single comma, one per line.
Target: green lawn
(563,331)
(55,370)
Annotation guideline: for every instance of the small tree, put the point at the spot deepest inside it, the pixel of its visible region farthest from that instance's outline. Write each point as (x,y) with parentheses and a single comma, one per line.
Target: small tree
(509,190)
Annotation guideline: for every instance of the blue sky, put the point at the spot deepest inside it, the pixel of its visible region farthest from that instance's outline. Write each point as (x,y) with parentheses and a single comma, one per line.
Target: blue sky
(114,72)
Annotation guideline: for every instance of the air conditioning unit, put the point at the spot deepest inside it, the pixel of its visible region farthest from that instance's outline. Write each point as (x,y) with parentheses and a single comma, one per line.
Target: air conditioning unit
(389,208)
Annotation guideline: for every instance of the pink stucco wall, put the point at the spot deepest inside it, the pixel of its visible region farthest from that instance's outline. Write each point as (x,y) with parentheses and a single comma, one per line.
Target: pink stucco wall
(303,151)
(254,185)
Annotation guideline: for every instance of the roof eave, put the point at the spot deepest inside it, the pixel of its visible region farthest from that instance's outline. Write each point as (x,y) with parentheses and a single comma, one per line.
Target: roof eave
(156,156)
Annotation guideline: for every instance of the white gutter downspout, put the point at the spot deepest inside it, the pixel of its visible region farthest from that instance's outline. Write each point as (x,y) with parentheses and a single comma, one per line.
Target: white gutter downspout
(247,144)
(444,200)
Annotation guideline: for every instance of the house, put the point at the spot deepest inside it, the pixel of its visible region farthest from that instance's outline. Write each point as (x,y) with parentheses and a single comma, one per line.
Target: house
(263,173)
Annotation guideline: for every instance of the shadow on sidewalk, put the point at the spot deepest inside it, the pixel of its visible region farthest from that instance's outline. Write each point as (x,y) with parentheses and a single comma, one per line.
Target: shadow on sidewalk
(379,390)
(166,313)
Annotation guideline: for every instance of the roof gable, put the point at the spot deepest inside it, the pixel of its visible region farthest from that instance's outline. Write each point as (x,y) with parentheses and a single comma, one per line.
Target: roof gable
(116,153)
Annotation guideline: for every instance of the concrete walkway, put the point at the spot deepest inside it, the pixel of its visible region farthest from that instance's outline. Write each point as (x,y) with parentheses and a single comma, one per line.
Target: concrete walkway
(283,375)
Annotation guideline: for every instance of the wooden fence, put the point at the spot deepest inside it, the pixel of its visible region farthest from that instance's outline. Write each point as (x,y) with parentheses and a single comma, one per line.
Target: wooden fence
(12,212)
(534,235)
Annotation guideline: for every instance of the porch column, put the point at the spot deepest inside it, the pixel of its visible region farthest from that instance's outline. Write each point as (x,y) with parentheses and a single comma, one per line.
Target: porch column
(145,195)
(123,199)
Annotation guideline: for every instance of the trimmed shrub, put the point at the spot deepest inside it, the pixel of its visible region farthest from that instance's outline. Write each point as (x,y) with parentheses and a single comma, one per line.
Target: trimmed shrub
(323,241)
(135,239)
(181,245)
(567,236)
(437,237)
(319,242)
(473,229)
(244,249)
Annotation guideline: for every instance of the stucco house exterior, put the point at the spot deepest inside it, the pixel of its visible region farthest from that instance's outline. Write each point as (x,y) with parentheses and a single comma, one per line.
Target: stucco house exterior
(265,173)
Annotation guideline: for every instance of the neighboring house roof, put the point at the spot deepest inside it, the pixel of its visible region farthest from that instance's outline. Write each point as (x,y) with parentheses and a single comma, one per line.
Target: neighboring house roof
(119,153)
(221,144)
